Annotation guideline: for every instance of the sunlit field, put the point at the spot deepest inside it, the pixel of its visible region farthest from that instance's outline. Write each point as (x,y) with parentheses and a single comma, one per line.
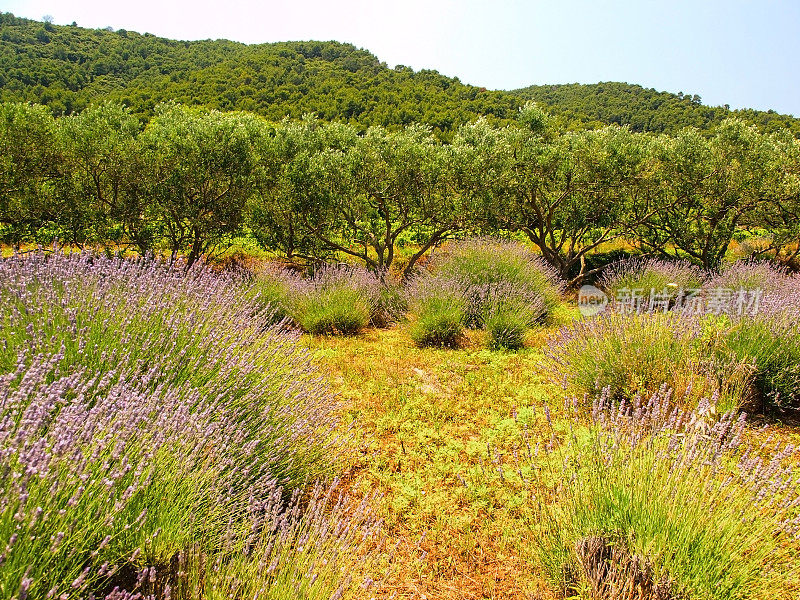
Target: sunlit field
(261,434)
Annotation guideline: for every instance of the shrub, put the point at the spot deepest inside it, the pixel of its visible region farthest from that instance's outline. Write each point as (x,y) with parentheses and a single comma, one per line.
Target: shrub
(650,503)
(751,274)
(335,300)
(482,265)
(507,317)
(771,343)
(634,354)
(390,303)
(269,287)
(148,414)
(649,279)
(438,311)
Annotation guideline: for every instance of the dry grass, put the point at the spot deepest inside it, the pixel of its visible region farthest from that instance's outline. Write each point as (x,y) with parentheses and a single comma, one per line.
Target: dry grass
(434,424)
(427,417)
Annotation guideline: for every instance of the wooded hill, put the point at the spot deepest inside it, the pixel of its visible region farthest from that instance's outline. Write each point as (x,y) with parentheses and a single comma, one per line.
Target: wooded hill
(579,106)
(68,67)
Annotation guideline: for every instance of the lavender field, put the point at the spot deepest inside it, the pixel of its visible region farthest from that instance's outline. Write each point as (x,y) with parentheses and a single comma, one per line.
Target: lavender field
(159,438)
(187,433)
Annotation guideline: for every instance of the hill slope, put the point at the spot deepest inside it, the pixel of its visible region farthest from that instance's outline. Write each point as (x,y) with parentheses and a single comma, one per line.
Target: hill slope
(69,67)
(643,109)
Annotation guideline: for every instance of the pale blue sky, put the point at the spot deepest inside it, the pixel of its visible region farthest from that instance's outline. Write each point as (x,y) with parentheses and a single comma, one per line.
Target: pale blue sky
(739,52)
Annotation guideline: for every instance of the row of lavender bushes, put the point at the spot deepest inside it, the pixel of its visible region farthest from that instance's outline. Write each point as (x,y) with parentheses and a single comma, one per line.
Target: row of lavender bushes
(748,352)
(643,500)
(745,349)
(158,434)
(500,287)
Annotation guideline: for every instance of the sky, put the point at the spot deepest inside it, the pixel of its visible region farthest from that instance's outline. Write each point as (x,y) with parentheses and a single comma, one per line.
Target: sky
(744,53)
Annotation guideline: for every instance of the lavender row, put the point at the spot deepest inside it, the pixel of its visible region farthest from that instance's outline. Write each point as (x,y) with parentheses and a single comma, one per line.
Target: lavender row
(149,415)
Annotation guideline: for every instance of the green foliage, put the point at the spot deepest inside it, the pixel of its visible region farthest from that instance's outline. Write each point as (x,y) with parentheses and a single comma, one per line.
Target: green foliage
(594,105)
(636,354)
(75,67)
(438,313)
(506,322)
(270,288)
(772,347)
(710,186)
(335,310)
(643,507)
(28,166)
(335,300)
(495,276)
(196,172)
(568,192)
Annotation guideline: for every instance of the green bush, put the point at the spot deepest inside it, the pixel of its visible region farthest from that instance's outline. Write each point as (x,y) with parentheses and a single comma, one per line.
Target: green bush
(484,267)
(635,354)
(439,312)
(645,504)
(270,288)
(643,278)
(335,300)
(333,310)
(506,322)
(772,346)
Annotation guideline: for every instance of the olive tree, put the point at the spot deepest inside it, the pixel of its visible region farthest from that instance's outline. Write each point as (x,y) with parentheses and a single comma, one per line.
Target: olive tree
(290,186)
(29,167)
(97,149)
(569,193)
(387,185)
(710,187)
(196,172)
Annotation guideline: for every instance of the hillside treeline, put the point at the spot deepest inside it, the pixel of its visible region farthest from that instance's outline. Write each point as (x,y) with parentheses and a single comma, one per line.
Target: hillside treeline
(67,68)
(581,106)
(192,179)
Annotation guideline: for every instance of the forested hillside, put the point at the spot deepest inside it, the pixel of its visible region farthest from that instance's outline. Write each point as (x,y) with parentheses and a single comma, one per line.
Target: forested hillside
(68,67)
(580,106)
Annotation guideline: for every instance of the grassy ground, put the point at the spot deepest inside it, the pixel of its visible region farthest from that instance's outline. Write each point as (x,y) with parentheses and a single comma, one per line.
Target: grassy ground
(433,424)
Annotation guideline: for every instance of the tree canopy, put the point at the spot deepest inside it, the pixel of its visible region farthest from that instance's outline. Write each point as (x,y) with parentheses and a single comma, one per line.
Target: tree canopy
(68,67)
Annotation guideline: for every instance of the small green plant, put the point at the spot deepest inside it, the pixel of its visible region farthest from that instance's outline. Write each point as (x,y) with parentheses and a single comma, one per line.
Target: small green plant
(507,322)
(439,312)
(484,267)
(652,277)
(335,300)
(333,310)
(635,354)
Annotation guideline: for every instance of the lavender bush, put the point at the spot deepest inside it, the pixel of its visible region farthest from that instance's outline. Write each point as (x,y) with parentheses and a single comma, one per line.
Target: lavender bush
(145,414)
(480,265)
(767,335)
(633,354)
(648,277)
(269,287)
(335,299)
(751,274)
(650,502)
(482,283)
(438,310)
